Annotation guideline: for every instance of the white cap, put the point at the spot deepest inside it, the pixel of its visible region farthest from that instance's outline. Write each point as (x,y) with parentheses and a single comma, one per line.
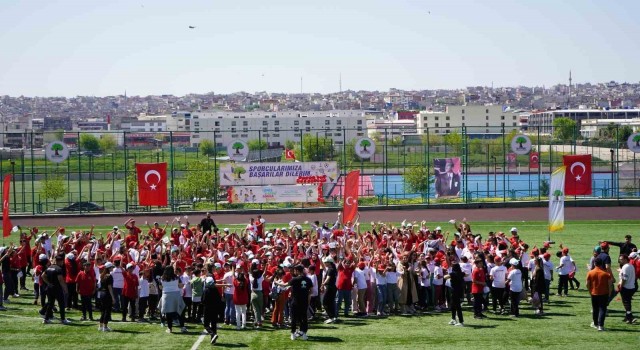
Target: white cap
(115,227)
(286,264)
(251,256)
(42,257)
(108,265)
(255,261)
(268,254)
(70,256)
(633,255)
(226,229)
(327,259)
(233,259)
(209,280)
(438,228)
(260,240)
(239,266)
(269,234)
(513,229)
(225,254)
(292,223)
(218,265)
(513,261)
(129,265)
(262,221)
(183,225)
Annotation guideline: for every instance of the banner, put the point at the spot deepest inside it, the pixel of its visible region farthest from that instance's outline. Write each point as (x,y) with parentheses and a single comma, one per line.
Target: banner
(512,160)
(6,221)
(275,194)
(350,204)
(534,160)
(259,174)
(578,179)
(152,183)
(556,199)
(448,175)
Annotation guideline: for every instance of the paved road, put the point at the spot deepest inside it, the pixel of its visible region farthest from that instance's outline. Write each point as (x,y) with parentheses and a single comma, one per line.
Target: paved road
(431,215)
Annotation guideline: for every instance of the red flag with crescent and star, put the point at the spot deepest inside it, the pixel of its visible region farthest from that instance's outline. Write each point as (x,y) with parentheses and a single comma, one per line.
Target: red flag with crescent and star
(578,178)
(289,154)
(152,183)
(350,205)
(534,160)
(6,221)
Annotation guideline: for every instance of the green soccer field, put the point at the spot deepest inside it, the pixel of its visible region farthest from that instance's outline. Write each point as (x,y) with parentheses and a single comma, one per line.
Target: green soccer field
(564,325)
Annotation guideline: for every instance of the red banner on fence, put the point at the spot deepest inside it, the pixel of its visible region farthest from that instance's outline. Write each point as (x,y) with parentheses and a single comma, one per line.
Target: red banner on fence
(152,183)
(350,205)
(6,221)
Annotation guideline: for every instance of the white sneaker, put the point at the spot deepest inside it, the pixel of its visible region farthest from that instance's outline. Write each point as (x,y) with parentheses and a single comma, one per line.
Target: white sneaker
(100,329)
(106,329)
(600,329)
(452,322)
(304,336)
(294,336)
(168,331)
(65,321)
(183,329)
(459,325)
(593,325)
(328,321)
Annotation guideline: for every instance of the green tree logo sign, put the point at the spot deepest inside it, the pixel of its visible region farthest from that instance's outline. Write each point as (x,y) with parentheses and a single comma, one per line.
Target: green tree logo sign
(56,152)
(633,143)
(557,194)
(365,148)
(237,150)
(520,144)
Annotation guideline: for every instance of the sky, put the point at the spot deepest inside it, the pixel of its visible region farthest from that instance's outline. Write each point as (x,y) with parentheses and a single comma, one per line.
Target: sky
(102,48)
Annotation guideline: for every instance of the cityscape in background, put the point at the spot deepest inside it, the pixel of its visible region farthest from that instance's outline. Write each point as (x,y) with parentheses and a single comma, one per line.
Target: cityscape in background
(359,113)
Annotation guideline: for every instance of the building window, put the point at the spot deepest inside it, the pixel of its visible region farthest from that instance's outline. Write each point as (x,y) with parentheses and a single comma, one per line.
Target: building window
(462,124)
(487,111)
(448,131)
(244,135)
(487,124)
(277,122)
(426,125)
(277,128)
(307,122)
(501,117)
(265,129)
(462,117)
(487,131)
(359,122)
(276,135)
(296,129)
(502,124)
(487,118)
(514,117)
(327,122)
(514,123)
(448,118)
(217,124)
(296,122)
(245,129)
(448,125)
(307,129)
(338,122)
(233,129)
(265,122)
(437,131)
(437,118)
(359,128)
(233,123)
(437,125)
(245,123)
(234,135)
(463,112)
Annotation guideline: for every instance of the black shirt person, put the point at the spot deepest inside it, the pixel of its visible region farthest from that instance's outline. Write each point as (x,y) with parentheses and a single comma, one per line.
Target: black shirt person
(301,287)
(626,247)
(207,224)
(56,289)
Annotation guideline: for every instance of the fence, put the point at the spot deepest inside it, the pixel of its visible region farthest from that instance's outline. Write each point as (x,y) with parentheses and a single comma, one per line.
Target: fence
(101,166)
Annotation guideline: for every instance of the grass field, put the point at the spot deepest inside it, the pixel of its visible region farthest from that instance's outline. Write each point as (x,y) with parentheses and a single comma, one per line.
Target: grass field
(565,325)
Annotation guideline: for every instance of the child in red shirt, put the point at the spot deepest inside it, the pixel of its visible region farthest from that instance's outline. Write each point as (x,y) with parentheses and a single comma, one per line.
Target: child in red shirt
(86,287)
(241,296)
(129,292)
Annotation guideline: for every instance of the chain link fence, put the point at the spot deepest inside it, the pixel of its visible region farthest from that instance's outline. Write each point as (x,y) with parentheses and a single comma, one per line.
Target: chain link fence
(100,168)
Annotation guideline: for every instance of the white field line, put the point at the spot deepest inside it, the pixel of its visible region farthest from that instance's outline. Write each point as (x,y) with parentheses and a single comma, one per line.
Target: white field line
(198,342)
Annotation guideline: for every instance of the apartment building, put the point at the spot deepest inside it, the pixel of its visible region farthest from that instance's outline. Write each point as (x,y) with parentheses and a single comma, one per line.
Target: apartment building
(478,120)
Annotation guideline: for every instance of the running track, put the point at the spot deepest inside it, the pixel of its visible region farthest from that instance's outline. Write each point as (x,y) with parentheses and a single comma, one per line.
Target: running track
(430,215)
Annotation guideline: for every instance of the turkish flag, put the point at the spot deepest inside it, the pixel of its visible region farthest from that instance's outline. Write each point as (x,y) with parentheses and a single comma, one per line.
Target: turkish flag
(6,221)
(534,160)
(288,154)
(350,205)
(578,179)
(152,183)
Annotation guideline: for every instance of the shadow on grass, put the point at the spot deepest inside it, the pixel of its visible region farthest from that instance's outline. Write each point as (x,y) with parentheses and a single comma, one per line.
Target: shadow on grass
(231,345)
(352,323)
(478,326)
(321,339)
(124,331)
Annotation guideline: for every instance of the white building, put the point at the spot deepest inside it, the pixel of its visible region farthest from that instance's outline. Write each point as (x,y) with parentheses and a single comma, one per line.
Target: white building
(476,119)
(145,124)
(273,127)
(544,120)
(390,129)
(591,127)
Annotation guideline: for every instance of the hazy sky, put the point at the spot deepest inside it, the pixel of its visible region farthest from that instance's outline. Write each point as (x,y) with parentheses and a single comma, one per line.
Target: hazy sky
(68,48)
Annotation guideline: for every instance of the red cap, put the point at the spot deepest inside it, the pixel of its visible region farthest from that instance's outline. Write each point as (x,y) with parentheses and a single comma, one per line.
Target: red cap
(565,251)
(454,243)
(220,245)
(497,260)
(546,255)
(604,245)
(546,244)
(132,244)
(361,265)
(35,229)
(381,267)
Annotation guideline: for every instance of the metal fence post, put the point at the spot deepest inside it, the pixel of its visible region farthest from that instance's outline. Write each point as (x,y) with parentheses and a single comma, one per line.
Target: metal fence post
(171,156)
(126,172)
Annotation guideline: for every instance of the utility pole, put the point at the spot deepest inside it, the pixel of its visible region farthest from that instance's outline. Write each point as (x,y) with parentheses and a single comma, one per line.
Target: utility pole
(340,82)
(569,98)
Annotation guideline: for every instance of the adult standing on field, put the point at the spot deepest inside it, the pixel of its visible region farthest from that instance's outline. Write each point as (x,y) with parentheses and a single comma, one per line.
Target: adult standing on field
(207,224)
(626,247)
(106,296)
(599,286)
(56,289)
(627,287)
(301,296)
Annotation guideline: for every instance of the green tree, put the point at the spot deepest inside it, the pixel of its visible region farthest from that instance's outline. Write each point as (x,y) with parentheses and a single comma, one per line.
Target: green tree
(521,140)
(207,148)
(624,132)
(53,187)
(316,148)
(132,185)
(238,146)
(108,143)
(544,187)
(476,147)
(454,140)
(364,144)
(636,139)
(418,179)
(395,141)
(563,128)
(88,142)
(200,181)
(290,144)
(257,144)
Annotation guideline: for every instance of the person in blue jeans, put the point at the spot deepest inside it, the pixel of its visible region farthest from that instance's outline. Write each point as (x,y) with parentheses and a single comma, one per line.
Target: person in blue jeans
(345,285)
(229,308)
